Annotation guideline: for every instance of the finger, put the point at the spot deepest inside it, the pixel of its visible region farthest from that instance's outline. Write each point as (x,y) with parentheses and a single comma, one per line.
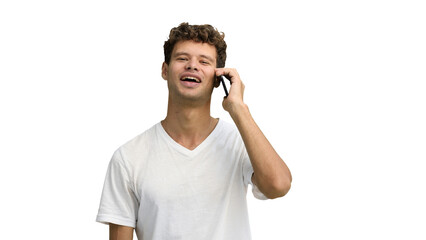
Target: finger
(220,72)
(230,73)
(226,72)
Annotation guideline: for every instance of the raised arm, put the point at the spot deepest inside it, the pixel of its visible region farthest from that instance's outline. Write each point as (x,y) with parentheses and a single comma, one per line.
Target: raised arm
(118,232)
(271,174)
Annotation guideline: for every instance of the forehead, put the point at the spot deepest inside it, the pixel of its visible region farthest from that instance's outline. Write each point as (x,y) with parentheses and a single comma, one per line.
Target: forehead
(194,49)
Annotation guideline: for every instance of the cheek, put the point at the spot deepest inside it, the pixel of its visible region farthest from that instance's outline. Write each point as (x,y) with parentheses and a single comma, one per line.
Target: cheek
(173,71)
(211,80)
(210,75)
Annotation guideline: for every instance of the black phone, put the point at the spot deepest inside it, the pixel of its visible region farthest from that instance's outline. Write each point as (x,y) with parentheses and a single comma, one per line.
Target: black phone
(224,86)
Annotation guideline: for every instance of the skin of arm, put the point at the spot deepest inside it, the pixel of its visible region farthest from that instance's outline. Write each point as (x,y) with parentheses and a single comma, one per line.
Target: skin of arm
(118,232)
(271,174)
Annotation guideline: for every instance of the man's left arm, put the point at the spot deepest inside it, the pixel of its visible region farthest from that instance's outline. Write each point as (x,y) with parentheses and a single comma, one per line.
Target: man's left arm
(271,174)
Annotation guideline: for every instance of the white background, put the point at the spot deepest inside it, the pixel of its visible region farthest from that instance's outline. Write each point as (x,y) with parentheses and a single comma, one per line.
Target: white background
(338,87)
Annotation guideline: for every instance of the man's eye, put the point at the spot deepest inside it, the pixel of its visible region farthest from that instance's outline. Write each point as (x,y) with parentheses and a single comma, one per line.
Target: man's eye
(181,59)
(205,62)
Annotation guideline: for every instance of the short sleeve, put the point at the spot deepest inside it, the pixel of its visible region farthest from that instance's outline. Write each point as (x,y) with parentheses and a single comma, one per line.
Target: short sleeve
(247,175)
(119,204)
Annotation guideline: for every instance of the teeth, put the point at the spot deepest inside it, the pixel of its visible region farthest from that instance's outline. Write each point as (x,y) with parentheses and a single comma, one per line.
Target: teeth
(191,79)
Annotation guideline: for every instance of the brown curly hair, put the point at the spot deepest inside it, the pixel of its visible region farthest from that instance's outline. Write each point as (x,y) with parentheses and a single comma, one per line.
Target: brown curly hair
(198,33)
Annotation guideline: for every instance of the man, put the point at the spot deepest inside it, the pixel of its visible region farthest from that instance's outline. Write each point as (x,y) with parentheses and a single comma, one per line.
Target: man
(187,176)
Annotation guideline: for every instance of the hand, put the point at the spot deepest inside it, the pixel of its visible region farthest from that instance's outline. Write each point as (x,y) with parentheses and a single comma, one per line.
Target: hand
(234,101)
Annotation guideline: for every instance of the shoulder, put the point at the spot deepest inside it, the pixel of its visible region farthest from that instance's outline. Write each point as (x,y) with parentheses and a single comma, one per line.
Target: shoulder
(141,140)
(227,128)
(229,133)
(138,146)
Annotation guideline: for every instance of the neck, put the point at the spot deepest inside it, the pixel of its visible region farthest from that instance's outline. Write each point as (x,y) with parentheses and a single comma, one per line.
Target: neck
(189,125)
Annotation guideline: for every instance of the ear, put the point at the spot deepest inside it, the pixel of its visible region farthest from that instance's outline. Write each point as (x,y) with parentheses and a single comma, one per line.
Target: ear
(164,71)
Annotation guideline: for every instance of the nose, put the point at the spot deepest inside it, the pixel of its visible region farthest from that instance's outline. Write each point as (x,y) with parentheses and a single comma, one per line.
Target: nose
(191,65)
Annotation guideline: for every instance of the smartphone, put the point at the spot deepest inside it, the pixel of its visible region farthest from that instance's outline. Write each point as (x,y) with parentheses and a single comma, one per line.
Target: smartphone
(223,84)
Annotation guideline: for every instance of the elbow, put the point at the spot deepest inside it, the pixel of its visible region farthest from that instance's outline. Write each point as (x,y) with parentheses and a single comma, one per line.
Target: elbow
(278,189)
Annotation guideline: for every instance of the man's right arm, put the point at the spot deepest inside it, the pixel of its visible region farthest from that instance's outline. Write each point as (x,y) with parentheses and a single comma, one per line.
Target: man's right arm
(118,232)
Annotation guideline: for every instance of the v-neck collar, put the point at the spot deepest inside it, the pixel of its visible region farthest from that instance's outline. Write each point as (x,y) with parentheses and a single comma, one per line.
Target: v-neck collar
(183,150)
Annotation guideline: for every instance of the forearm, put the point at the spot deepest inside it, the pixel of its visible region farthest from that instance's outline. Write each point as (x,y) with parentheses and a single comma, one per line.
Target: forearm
(118,232)
(271,174)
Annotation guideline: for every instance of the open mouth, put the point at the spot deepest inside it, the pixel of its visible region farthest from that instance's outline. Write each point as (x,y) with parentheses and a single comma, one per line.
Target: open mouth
(190,79)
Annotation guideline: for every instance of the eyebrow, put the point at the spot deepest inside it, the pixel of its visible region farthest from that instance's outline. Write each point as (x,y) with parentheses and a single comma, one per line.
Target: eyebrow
(187,54)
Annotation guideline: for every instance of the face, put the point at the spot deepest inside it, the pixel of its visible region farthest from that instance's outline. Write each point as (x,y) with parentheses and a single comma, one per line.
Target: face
(191,71)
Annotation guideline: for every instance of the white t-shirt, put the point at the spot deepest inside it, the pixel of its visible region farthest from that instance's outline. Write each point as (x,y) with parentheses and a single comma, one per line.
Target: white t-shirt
(166,191)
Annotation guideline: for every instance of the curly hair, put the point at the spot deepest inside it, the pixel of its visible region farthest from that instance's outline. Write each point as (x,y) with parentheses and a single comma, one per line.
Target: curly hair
(198,33)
